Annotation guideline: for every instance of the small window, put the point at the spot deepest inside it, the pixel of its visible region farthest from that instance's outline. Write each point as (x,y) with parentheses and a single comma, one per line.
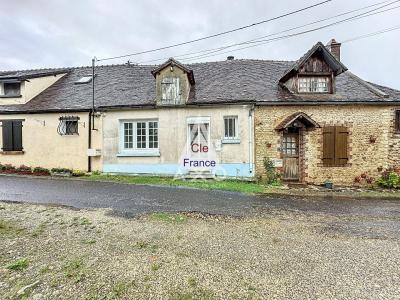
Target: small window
(397,122)
(231,128)
(11,89)
(84,79)
(12,135)
(170,90)
(68,126)
(313,85)
(140,135)
(335,146)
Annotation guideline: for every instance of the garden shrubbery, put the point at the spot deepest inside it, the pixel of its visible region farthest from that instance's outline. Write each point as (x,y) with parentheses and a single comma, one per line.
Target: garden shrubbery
(390,178)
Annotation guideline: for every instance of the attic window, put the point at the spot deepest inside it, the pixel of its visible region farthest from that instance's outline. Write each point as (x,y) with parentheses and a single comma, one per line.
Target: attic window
(11,89)
(170,91)
(84,79)
(313,85)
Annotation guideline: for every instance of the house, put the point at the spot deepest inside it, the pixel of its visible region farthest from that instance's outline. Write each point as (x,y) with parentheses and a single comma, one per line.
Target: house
(312,118)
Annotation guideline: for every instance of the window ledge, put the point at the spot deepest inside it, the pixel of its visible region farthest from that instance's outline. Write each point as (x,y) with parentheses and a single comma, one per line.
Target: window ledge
(230,141)
(10,96)
(12,152)
(139,153)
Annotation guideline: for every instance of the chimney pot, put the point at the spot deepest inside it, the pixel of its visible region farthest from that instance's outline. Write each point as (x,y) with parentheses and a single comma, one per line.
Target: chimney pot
(230,57)
(334,47)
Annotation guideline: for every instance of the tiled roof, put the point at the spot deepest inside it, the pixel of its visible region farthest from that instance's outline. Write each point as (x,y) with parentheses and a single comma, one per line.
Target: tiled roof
(231,81)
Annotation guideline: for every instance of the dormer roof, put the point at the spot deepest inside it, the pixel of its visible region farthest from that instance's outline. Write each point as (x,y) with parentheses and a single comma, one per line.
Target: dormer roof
(174,63)
(334,64)
(29,74)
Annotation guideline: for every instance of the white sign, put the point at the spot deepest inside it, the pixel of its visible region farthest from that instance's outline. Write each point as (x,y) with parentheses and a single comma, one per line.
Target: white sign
(277,163)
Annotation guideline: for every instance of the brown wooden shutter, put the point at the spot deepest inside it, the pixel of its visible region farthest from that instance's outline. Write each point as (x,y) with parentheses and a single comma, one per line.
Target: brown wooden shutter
(7,129)
(341,145)
(328,144)
(17,135)
(397,121)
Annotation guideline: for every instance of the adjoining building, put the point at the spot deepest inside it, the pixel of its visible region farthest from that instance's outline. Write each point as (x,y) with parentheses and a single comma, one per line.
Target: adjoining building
(312,118)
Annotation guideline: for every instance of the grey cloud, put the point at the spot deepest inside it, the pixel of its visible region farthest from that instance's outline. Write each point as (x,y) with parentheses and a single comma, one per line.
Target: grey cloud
(69,33)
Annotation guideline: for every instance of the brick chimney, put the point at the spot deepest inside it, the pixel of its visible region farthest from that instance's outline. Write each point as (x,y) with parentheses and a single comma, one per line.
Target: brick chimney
(334,47)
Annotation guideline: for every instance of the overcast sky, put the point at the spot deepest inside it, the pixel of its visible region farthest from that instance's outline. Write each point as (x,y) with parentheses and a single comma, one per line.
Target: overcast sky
(62,33)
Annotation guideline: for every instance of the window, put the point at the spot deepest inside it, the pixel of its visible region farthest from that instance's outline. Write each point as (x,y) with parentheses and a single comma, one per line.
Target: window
(68,126)
(289,145)
(397,121)
(139,135)
(335,146)
(170,90)
(313,85)
(84,79)
(231,128)
(11,89)
(12,135)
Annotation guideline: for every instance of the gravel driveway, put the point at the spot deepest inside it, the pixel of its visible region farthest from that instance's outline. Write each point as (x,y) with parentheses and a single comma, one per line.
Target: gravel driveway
(59,253)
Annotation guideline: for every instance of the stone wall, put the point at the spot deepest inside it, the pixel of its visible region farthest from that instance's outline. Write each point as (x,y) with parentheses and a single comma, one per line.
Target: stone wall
(372,142)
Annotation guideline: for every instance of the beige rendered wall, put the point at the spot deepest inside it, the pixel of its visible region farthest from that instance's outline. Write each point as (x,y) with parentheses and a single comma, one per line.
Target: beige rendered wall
(31,88)
(363,121)
(44,147)
(173,131)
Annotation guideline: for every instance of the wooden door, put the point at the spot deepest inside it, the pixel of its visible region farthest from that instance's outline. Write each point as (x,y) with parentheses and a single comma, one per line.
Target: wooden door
(290,155)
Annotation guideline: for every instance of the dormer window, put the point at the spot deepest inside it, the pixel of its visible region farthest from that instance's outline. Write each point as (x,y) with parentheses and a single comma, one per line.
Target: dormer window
(170,90)
(11,89)
(313,84)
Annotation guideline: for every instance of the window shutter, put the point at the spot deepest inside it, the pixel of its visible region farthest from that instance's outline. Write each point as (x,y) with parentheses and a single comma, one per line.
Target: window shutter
(397,121)
(328,155)
(7,135)
(341,143)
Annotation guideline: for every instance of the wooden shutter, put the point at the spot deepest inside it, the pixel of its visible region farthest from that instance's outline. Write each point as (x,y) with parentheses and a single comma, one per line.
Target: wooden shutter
(328,144)
(7,129)
(341,144)
(397,121)
(17,135)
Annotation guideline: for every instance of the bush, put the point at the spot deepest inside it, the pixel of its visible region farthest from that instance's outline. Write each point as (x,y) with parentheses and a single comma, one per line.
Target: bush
(61,170)
(41,171)
(8,167)
(272,176)
(389,179)
(24,170)
(78,173)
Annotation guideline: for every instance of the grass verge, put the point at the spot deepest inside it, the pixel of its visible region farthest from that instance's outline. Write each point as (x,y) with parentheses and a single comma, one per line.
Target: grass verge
(224,185)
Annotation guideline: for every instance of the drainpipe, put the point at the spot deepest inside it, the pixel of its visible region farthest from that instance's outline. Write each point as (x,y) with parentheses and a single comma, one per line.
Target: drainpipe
(251,111)
(90,141)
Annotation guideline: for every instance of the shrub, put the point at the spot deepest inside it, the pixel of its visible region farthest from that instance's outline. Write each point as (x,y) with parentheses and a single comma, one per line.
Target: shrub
(272,176)
(389,179)
(24,170)
(78,173)
(41,171)
(61,170)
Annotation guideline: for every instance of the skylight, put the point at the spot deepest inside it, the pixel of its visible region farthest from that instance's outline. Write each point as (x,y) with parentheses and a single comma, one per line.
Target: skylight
(84,79)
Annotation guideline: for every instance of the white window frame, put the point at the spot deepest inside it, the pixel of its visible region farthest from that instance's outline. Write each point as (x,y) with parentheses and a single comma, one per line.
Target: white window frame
(135,151)
(234,139)
(310,84)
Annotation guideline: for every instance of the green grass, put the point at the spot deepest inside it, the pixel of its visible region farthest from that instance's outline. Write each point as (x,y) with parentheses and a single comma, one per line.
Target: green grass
(169,218)
(225,185)
(18,265)
(74,269)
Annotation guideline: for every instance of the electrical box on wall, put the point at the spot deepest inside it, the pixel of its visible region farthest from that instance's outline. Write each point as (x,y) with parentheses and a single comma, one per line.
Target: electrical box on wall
(93,152)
